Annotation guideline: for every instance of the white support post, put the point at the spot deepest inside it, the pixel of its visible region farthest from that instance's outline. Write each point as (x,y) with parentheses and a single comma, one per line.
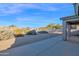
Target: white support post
(64,30)
(68,31)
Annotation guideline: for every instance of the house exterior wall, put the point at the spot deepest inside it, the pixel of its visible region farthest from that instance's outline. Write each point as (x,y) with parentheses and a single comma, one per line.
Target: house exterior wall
(77,26)
(69,20)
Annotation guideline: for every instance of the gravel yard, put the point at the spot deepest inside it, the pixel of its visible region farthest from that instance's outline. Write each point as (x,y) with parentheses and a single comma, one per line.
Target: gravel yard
(28,39)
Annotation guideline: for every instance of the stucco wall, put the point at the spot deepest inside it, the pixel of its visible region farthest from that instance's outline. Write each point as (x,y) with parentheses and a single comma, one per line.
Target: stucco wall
(77,26)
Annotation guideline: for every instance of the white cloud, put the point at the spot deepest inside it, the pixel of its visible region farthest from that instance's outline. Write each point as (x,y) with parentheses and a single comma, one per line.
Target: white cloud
(43,7)
(7,9)
(23,19)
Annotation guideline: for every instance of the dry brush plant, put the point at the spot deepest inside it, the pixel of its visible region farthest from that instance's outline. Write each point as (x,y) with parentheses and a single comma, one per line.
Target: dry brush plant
(7,39)
(18,32)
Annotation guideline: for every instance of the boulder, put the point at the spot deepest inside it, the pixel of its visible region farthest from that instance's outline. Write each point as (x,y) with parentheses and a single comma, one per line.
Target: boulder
(7,39)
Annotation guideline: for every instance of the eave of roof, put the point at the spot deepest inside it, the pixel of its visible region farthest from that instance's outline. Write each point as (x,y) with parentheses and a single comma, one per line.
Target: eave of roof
(69,17)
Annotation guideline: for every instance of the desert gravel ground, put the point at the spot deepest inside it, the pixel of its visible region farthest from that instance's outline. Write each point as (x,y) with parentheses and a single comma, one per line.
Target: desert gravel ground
(28,39)
(54,46)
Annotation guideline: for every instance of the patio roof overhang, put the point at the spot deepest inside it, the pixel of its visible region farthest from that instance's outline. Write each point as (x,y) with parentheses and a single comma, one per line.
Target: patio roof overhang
(74,19)
(73,22)
(69,17)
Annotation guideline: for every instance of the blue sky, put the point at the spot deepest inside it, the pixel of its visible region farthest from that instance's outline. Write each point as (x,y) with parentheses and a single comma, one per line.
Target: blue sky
(34,14)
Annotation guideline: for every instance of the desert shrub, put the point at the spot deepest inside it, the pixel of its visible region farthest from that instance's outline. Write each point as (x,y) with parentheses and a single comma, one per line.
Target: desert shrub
(26,31)
(54,26)
(5,34)
(18,32)
(42,32)
(32,32)
(7,39)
